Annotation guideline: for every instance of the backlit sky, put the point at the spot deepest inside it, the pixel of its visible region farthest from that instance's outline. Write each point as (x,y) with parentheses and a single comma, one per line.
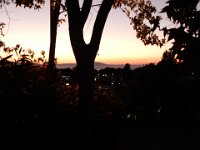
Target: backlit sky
(119,45)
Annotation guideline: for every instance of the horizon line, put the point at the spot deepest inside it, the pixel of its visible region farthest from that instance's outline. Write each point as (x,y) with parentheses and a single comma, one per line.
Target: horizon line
(62,63)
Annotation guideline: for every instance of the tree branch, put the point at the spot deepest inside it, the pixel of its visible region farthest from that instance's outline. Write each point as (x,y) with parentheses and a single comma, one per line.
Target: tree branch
(85,11)
(8,18)
(73,10)
(100,22)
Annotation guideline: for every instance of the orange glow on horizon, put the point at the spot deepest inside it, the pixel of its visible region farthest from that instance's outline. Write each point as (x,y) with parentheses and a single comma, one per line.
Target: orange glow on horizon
(134,61)
(119,44)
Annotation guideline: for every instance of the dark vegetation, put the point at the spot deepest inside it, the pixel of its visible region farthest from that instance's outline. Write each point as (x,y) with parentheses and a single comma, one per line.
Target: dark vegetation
(143,107)
(154,93)
(152,107)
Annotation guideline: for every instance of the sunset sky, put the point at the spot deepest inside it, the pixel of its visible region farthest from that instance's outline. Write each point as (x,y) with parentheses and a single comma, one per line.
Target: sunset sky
(119,45)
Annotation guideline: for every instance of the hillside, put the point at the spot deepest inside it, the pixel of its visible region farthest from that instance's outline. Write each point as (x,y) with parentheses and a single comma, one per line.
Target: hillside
(98,65)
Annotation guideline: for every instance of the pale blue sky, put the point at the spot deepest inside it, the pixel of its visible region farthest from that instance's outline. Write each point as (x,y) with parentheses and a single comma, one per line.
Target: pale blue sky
(119,44)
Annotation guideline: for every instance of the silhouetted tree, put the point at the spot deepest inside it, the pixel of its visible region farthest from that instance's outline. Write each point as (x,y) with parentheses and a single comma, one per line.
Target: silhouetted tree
(180,64)
(146,87)
(127,66)
(186,34)
(85,54)
(54,18)
(127,72)
(168,57)
(36,4)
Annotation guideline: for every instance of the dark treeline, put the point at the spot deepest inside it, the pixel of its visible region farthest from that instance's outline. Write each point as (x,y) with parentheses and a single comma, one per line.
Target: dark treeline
(121,108)
(154,92)
(35,109)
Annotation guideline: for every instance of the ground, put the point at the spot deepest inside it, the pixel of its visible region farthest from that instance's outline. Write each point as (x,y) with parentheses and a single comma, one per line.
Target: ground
(55,129)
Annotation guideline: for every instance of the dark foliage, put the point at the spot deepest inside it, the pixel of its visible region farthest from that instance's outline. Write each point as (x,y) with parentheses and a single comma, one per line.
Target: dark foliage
(185,35)
(38,112)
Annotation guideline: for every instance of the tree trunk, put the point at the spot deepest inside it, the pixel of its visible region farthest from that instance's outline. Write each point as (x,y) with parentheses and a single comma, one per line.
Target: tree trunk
(54,14)
(85,55)
(86,93)
(86,84)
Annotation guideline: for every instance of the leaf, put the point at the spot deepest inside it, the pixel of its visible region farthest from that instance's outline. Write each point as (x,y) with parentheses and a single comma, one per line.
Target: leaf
(155,23)
(165,9)
(170,37)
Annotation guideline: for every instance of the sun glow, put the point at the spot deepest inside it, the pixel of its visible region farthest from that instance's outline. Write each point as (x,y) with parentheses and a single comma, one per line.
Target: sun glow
(119,44)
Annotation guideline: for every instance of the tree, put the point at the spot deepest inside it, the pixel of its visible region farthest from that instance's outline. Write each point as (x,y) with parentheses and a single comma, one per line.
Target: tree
(36,4)
(186,34)
(139,13)
(127,67)
(85,54)
(185,54)
(54,18)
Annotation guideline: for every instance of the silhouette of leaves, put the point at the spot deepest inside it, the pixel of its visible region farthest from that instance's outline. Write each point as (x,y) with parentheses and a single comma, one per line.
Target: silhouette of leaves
(142,19)
(185,35)
(35,4)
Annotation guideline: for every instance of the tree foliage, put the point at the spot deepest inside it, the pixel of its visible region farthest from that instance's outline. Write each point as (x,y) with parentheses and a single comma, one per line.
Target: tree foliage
(144,22)
(36,4)
(11,56)
(186,34)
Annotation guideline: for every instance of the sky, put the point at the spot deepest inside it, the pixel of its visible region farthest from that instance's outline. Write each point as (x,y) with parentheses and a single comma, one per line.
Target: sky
(119,45)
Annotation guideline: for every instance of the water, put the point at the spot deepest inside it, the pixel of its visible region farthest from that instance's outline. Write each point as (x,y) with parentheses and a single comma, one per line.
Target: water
(98,66)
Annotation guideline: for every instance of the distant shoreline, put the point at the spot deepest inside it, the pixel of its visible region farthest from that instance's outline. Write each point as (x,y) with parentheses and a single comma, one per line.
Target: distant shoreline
(98,65)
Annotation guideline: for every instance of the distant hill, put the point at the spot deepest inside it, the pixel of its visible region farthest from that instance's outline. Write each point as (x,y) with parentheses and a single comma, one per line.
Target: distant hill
(98,65)
(72,65)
